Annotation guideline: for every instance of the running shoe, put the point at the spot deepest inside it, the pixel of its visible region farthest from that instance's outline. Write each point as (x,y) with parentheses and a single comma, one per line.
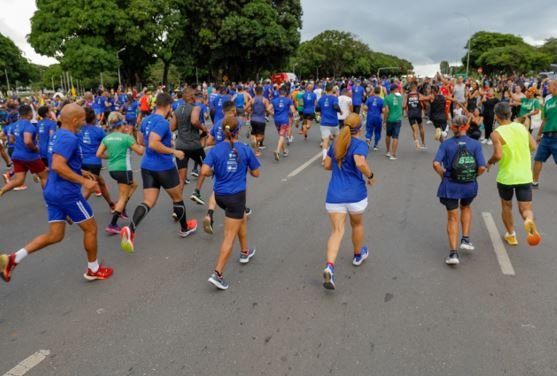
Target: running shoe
(375,148)
(262,147)
(196,197)
(249,212)
(291,139)
(423,147)
(208,225)
(388,155)
(489,142)
(417,143)
(104,272)
(466,245)
(98,193)
(113,229)
(127,238)
(246,257)
(534,237)
(192,227)
(195,173)
(445,134)
(511,239)
(359,259)
(22,187)
(453,259)
(393,158)
(438,134)
(329,278)
(7,265)
(285,154)
(187,181)
(276,154)
(218,281)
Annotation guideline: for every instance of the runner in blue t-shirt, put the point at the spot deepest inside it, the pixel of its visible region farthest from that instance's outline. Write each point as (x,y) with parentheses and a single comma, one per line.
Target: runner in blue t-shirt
(347,194)
(329,108)
(308,98)
(63,197)
(454,194)
(130,109)
(229,162)
(25,156)
(90,138)
(374,122)
(358,93)
(158,170)
(46,128)
(283,109)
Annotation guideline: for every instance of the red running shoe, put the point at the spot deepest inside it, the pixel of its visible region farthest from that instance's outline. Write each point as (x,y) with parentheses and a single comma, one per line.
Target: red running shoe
(104,272)
(192,227)
(127,238)
(7,265)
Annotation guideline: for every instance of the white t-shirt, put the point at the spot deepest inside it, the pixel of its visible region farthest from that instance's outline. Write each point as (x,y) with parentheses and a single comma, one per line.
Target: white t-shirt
(344,102)
(318,92)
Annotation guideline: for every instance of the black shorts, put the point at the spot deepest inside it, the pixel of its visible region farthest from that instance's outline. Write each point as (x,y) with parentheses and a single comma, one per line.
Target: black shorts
(122,177)
(454,203)
(357,109)
(156,179)
(257,128)
(94,169)
(309,117)
(10,151)
(234,206)
(523,192)
(240,111)
(415,120)
(196,155)
(442,124)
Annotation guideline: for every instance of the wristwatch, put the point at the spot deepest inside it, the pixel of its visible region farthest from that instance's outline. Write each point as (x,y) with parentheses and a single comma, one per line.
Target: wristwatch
(370,177)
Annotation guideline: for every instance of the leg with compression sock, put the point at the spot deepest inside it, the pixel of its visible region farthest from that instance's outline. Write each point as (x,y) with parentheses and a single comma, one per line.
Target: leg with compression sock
(138,215)
(180,211)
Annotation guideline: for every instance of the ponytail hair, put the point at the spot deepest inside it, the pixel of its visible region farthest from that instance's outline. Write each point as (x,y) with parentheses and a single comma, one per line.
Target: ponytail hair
(352,125)
(230,129)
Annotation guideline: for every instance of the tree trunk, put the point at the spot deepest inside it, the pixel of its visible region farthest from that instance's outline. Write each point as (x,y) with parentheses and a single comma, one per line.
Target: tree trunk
(166,69)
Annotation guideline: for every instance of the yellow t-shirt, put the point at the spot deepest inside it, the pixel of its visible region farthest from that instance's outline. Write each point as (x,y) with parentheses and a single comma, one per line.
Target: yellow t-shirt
(515,166)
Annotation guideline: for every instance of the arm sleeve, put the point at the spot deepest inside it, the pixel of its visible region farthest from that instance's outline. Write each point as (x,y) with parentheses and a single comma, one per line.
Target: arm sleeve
(253,163)
(361,149)
(440,156)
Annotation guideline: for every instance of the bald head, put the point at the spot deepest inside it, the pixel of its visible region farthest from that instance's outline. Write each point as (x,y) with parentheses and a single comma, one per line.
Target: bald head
(553,87)
(72,117)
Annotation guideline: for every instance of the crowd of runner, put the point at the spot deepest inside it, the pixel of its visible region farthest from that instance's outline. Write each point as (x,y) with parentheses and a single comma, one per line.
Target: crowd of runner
(62,142)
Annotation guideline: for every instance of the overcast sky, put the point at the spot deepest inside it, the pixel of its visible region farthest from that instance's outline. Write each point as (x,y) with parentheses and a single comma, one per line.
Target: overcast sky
(424,32)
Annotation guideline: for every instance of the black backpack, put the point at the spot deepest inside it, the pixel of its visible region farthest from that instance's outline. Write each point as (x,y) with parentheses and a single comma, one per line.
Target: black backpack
(464,167)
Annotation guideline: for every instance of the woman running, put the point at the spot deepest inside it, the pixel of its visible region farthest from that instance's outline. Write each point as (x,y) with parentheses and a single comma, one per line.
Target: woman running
(116,148)
(347,194)
(229,162)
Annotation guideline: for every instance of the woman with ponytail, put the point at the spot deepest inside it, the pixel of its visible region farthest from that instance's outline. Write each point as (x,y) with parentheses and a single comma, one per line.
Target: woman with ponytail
(347,194)
(229,162)
(117,148)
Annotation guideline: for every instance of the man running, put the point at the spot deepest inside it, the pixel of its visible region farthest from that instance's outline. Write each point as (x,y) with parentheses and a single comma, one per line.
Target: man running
(458,186)
(328,108)
(283,108)
(26,157)
(309,98)
(512,145)
(413,107)
(63,197)
(437,113)
(547,135)
(158,170)
(374,107)
(358,93)
(260,108)
(393,120)
(46,128)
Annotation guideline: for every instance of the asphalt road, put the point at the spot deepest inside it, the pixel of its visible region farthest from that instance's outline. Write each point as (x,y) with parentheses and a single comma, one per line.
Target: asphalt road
(404,312)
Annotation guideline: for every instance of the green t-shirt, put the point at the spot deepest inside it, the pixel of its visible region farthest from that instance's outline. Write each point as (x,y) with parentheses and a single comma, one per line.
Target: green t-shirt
(394,103)
(550,115)
(300,101)
(118,151)
(528,105)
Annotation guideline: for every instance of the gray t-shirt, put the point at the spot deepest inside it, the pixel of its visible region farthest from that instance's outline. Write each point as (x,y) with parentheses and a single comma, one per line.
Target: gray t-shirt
(459,91)
(188,137)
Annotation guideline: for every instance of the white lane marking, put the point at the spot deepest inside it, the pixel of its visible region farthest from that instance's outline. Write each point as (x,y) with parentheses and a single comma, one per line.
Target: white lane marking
(27,364)
(498,247)
(305,165)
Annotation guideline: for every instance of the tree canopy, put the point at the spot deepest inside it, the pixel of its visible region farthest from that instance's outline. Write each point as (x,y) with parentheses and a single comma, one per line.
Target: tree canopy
(339,53)
(15,64)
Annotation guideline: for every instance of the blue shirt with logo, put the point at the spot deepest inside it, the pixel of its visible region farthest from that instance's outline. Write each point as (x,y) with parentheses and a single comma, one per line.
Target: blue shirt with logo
(281,106)
(309,99)
(347,184)
(59,190)
(131,112)
(357,95)
(21,151)
(45,127)
(153,160)
(374,106)
(328,106)
(445,155)
(231,168)
(90,138)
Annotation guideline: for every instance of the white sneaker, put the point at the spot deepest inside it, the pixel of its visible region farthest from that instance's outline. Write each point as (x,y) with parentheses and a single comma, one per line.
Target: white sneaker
(388,155)
(484,141)
(393,158)
(489,142)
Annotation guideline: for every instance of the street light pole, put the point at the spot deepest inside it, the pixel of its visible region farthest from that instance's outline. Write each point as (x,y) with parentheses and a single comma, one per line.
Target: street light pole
(118,58)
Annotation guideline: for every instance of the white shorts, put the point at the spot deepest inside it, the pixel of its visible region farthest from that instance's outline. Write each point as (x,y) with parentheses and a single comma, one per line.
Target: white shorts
(327,131)
(352,207)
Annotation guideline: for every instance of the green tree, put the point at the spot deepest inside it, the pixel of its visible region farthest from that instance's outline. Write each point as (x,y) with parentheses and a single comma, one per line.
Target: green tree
(550,48)
(14,64)
(444,67)
(513,59)
(483,41)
